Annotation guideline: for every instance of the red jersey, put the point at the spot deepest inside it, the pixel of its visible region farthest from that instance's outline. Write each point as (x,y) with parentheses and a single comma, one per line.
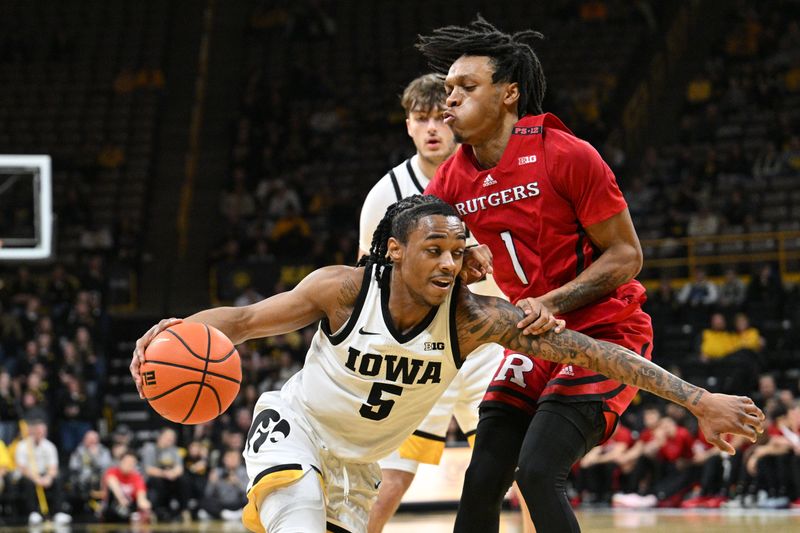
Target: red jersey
(531,211)
(131,484)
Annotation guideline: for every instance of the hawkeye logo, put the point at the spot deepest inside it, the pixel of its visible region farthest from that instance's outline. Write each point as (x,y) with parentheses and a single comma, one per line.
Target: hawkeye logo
(268,427)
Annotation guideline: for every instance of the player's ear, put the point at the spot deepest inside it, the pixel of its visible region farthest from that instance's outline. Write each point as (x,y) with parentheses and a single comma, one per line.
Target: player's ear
(408,125)
(394,250)
(511,94)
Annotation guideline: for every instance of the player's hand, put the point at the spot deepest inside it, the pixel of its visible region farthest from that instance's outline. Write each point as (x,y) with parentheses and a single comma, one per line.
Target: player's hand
(719,414)
(538,318)
(477,264)
(141,344)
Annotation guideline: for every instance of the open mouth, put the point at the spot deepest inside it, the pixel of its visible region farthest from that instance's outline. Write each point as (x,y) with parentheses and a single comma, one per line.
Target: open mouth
(448,117)
(432,143)
(442,283)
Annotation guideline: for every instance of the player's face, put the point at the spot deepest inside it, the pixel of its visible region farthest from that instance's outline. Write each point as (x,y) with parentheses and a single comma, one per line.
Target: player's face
(475,105)
(431,259)
(433,140)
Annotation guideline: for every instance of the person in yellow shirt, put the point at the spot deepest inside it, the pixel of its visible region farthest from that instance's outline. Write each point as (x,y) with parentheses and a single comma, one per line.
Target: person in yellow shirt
(5,466)
(747,337)
(717,342)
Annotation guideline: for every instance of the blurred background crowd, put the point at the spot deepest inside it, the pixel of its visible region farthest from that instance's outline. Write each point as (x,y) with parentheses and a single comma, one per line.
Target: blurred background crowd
(699,120)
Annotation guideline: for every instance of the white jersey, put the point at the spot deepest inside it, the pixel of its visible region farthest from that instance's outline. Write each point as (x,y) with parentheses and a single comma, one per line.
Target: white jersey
(366,387)
(406,179)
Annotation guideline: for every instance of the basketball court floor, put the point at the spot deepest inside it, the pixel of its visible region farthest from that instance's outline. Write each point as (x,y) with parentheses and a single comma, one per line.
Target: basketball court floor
(593,521)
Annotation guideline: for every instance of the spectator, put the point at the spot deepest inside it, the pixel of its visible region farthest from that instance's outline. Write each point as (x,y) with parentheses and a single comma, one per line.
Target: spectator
(747,337)
(732,356)
(770,462)
(280,199)
(126,498)
(768,162)
(86,467)
(699,293)
(163,468)
(37,465)
(75,413)
(717,341)
(238,203)
(226,493)
(601,463)
(8,408)
(669,446)
(732,291)
(196,463)
(5,472)
(697,298)
(702,222)
(249,296)
(767,390)
(765,294)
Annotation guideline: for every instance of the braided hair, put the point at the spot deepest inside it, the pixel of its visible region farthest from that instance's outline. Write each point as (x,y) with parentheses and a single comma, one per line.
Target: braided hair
(513,59)
(399,221)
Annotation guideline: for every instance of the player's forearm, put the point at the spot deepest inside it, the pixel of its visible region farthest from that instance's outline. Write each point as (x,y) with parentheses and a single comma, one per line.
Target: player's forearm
(482,319)
(229,320)
(613,361)
(617,265)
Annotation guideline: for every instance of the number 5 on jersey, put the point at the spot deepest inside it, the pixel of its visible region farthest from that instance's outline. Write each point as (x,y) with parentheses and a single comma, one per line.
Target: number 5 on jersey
(376,407)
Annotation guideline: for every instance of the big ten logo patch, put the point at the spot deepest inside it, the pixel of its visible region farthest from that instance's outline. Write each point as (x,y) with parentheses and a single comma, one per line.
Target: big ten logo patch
(434,346)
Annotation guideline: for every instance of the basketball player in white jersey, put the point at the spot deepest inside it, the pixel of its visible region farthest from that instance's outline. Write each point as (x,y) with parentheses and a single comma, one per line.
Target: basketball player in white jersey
(423,101)
(392,335)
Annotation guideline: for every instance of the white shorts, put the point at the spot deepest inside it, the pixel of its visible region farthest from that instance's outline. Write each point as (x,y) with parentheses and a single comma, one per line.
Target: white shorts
(281,447)
(461,399)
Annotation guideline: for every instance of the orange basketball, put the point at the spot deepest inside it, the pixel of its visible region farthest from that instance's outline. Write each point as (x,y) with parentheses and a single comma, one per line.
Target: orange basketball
(191,373)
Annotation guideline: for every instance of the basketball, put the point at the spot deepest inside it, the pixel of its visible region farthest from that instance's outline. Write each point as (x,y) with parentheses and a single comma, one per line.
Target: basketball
(191,373)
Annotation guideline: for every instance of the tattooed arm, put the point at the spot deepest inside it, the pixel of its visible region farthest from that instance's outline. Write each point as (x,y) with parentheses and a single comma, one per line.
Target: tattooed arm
(481,320)
(620,261)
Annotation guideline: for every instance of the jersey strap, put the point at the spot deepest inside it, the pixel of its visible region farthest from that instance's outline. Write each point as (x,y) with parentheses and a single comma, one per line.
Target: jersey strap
(413,176)
(396,185)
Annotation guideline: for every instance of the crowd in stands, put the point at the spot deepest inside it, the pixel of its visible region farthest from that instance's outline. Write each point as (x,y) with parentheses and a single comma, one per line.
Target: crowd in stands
(734,167)
(738,140)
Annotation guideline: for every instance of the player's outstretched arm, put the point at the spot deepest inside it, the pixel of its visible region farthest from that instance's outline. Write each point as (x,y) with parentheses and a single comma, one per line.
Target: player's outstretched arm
(482,319)
(329,291)
(324,292)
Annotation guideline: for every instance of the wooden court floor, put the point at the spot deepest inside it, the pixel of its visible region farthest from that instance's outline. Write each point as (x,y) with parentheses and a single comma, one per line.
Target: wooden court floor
(599,521)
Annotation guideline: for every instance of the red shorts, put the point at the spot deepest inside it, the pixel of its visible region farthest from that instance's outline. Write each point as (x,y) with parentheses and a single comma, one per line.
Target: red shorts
(523,381)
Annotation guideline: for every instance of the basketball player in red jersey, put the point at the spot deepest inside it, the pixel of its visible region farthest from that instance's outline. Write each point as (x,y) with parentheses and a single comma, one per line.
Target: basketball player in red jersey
(558,229)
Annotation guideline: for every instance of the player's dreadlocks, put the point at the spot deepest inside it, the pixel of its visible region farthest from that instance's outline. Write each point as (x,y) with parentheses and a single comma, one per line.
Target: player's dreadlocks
(400,219)
(514,60)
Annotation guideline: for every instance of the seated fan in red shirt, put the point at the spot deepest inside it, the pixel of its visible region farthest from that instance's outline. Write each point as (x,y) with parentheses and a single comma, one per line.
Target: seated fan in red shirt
(126,497)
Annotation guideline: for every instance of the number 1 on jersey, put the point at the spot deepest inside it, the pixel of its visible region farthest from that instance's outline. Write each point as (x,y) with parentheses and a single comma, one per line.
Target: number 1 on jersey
(512,251)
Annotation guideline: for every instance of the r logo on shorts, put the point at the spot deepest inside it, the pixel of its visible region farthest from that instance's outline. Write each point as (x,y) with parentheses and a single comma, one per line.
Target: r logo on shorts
(268,426)
(513,368)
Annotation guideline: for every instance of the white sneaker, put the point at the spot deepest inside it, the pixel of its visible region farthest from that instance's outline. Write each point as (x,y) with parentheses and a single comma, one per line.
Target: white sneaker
(203,515)
(231,516)
(61,519)
(34,519)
